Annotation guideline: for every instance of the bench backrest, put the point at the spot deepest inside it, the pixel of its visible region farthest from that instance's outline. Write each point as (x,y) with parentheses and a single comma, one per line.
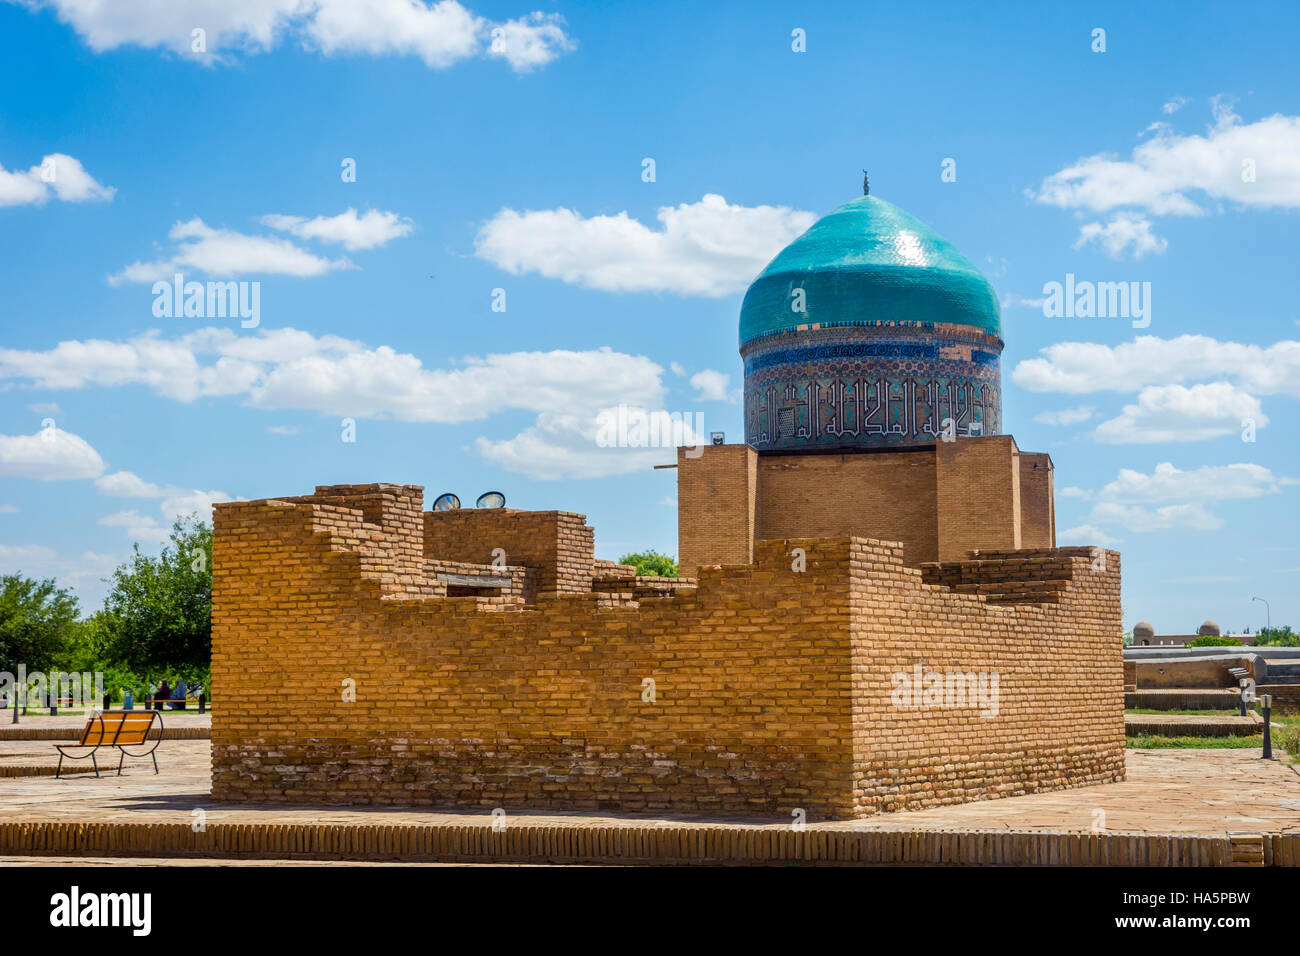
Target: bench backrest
(128,727)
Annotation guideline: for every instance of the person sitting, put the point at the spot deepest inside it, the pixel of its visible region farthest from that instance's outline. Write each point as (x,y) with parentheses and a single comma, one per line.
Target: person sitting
(178,694)
(163,693)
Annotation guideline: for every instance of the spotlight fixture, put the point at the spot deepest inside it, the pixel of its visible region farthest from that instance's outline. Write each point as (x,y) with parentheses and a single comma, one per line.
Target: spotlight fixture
(717,438)
(447,502)
(491,499)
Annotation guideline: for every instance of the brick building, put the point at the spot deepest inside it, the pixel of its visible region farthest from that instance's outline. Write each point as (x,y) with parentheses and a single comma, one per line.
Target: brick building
(834,649)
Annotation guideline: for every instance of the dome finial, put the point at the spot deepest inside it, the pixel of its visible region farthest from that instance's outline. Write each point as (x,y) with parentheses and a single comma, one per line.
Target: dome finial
(866,184)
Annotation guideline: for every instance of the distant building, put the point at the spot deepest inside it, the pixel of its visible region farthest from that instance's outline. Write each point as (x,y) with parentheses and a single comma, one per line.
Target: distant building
(1144,635)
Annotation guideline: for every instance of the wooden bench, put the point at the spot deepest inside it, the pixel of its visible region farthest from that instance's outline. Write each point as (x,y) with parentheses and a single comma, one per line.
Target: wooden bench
(115,728)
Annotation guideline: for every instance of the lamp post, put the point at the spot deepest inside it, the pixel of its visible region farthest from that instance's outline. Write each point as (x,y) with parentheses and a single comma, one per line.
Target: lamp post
(1268,613)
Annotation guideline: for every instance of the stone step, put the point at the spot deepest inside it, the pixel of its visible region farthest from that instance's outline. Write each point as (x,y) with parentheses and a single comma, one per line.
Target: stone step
(629,843)
(1189,725)
(1183,699)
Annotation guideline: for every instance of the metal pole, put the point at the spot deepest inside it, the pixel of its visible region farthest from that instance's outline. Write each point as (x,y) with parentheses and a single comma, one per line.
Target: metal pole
(1268,612)
(203,702)
(1267,701)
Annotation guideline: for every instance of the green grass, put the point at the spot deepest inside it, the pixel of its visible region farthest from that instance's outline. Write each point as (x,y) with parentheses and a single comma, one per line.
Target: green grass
(1144,741)
(1286,740)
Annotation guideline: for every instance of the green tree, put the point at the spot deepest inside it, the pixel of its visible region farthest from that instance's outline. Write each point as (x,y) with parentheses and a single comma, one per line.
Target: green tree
(1278,637)
(1209,640)
(651,563)
(158,613)
(35,620)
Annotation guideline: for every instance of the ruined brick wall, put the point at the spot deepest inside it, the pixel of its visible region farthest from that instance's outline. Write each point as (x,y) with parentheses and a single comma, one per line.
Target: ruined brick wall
(716,489)
(978,495)
(559,544)
(771,685)
(1192,672)
(539,707)
(1037,501)
(1045,623)
(885,495)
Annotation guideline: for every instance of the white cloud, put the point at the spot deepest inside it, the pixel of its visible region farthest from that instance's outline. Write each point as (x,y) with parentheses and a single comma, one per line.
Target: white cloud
(223,253)
(1013,300)
(1174,104)
(1190,516)
(283,429)
(531,41)
(711,386)
(1124,234)
(1164,173)
(439,33)
(1081,367)
(143,528)
(50,455)
(1085,534)
(1066,416)
(709,248)
(22,556)
(1207,483)
(45,408)
(569,445)
(1166,413)
(290,369)
(56,176)
(126,484)
(40,562)
(374,228)
(176,503)
(1170,499)
(677,368)
(9,509)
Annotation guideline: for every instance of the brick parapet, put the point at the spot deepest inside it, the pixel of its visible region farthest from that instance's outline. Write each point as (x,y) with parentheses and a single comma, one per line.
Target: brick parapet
(770,682)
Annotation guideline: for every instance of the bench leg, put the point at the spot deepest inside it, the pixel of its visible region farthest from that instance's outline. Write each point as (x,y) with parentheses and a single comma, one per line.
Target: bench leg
(121,755)
(59,769)
(95,762)
(154,753)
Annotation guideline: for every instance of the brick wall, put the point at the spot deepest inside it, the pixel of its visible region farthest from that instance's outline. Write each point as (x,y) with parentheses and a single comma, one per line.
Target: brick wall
(885,495)
(716,490)
(940,501)
(1058,660)
(1037,501)
(772,686)
(978,495)
(559,544)
(1191,672)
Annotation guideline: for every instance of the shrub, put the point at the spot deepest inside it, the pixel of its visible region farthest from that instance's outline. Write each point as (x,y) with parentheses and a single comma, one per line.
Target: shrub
(651,563)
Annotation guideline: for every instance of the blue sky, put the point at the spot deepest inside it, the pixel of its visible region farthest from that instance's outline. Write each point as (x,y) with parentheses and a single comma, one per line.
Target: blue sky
(501,146)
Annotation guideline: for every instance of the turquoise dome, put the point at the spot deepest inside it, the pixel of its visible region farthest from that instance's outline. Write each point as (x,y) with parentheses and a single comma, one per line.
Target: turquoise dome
(869,263)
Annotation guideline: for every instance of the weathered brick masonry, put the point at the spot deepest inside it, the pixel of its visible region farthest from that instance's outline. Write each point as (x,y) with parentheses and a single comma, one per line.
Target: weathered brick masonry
(772,687)
(940,500)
